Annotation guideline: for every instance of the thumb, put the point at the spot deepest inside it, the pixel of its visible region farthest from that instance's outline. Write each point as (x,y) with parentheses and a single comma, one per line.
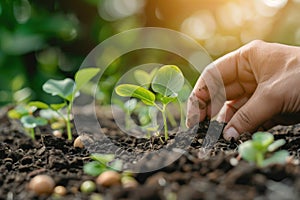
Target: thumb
(258,109)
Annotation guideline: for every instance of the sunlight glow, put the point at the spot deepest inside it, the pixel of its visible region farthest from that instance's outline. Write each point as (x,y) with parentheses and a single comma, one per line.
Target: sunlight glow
(200,26)
(230,15)
(112,10)
(269,8)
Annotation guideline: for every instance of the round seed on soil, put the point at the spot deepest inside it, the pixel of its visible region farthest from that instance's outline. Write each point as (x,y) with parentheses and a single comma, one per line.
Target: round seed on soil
(109,178)
(88,187)
(42,184)
(78,143)
(57,133)
(60,190)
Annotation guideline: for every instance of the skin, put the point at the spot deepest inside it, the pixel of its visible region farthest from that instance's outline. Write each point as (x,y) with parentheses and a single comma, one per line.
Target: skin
(253,88)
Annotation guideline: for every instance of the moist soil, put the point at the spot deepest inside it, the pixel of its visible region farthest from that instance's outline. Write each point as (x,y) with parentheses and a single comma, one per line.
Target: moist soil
(203,169)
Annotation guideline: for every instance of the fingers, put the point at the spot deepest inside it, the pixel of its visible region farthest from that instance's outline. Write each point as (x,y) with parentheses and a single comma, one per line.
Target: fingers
(230,108)
(257,110)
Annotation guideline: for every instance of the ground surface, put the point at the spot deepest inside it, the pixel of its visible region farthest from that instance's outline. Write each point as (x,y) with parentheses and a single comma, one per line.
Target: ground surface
(213,174)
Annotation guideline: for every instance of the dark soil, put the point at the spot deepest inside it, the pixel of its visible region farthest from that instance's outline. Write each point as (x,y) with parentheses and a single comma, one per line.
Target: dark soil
(214,172)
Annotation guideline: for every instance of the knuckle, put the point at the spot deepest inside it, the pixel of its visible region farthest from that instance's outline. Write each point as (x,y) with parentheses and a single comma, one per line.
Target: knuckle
(245,121)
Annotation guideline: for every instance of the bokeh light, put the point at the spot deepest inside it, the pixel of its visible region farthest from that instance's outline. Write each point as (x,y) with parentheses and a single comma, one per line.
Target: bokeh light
(200,26)
(112,10)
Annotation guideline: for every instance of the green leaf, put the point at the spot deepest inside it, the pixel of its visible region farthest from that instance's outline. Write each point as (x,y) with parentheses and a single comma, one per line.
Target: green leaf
(58,106)
(248,152)
(261,140)
(116,165)
(63,88)
(103,158)
(30,121)
(129,90)
(83,76)
(143,78)
(165,100)
(278,157)
(38,104)
(168,80)
(94,168)
(275,145)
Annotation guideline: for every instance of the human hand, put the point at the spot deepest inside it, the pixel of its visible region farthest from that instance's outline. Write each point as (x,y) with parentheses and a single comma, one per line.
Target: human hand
(256,86)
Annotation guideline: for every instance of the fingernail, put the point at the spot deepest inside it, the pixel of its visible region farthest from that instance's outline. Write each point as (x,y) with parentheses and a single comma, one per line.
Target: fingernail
(231,133)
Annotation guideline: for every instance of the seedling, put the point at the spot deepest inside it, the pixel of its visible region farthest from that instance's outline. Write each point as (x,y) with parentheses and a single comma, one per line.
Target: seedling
(262,144)
(30,122)
(166,84)
(101,163)
(21,110)
(67,90)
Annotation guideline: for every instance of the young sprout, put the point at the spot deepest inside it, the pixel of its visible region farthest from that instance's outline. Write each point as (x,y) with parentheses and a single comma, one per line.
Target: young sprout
(30,122)
(67,90)
(21,110)
(166,84)
(101,163)
(262,143)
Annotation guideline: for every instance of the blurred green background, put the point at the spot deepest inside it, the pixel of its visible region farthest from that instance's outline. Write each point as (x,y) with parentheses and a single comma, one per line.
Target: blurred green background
(42,39)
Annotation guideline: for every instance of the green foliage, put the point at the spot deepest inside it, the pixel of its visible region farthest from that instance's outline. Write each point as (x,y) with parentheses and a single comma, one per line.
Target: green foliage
(262,144)
(30,122)
(166,82)
(62,88)
(67,90)
(130,90)
(101,163)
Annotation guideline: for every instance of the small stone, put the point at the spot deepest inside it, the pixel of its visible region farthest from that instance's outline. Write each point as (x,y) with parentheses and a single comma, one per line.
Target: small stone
(109,178)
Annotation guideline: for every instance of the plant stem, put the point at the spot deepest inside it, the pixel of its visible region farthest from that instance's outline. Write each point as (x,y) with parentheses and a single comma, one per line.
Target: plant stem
(32,135)
(69,132)
(259,159)
(165,122)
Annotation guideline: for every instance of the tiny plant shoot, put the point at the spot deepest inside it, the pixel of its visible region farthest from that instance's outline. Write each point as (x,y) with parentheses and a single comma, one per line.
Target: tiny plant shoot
(262,144)
(67,90)
(30,123)
(166,83)
(100,164)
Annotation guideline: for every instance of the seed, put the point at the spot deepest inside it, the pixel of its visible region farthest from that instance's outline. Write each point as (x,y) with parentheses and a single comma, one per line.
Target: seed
(129,182)
(108,178)
(60,190)
(42,184)
(78,143)
(57,133)
(88,187)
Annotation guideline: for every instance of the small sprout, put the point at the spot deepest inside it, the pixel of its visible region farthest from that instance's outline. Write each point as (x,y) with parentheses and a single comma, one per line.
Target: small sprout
(57,133)
(109,178)
(42,184)
(21,110)
(78,143)
(88,187)
(30,122)
(67,90)
(60,190)
(166,83)
(101,163)
(262,144)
